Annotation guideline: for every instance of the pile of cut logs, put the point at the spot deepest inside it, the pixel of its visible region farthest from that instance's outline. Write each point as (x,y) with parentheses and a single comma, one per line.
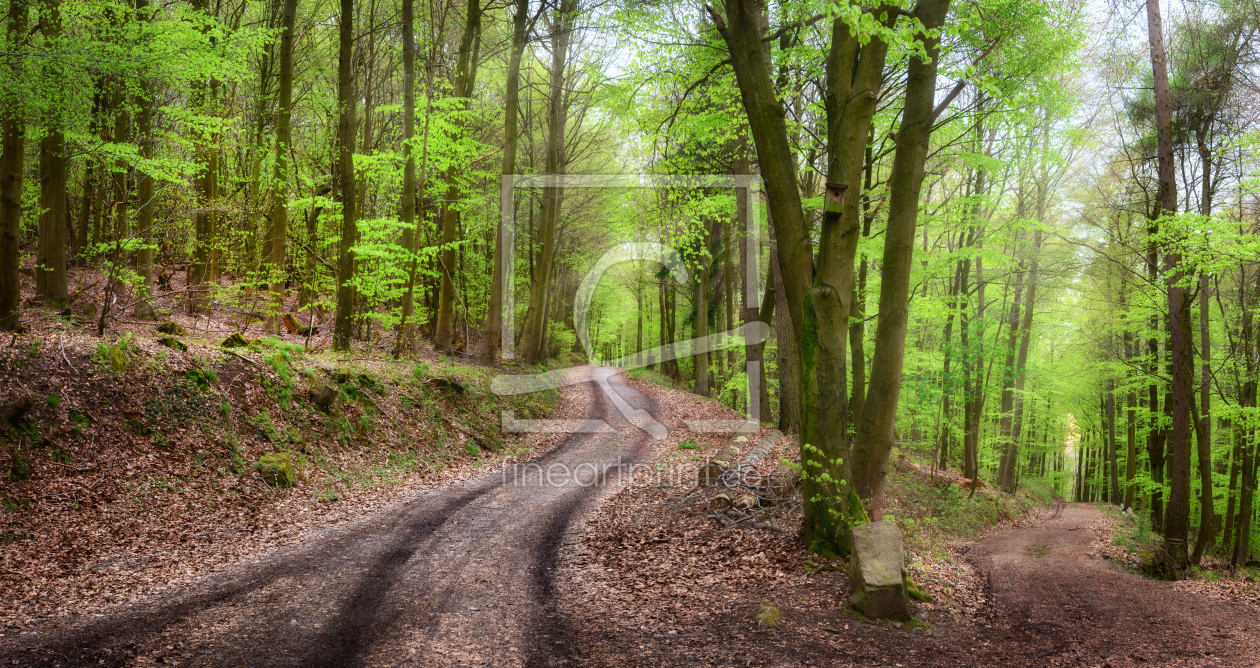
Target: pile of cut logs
(745,489)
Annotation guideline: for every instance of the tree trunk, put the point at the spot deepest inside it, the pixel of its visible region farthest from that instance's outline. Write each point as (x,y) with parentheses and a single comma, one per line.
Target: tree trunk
(12,158)
(947,379)
(346,101)
(146,205)
(1176,521)
(1132,453)
(50,258)
(874,434)
(465,78)
(280,178)
(502,270)
(1007,463)
(1234,461)
(561,31)
(1111,442)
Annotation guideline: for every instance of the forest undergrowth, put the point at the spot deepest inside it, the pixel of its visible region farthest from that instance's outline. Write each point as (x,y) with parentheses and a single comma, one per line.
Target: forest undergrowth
(660,566)
(142,459)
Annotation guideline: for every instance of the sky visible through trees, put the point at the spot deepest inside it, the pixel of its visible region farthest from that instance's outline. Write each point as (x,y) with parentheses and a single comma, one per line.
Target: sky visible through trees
(1011,238)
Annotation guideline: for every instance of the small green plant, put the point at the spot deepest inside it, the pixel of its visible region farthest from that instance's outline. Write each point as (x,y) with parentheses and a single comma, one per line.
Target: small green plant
(264,424)
(843,507)
(35,345)
(19,468)
(16,505)
(688,445)
(60,456)
(202,379)
(1039,551)
(54,400)
(768,615)
(116,356)
(472,450)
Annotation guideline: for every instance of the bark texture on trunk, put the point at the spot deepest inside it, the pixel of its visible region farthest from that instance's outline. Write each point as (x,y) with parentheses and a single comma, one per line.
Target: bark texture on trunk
(502,255)
(50,257)
(280,177)
(346,101)
(874,433)
(465,80)
(553,196)
(1176,521)
(12,159)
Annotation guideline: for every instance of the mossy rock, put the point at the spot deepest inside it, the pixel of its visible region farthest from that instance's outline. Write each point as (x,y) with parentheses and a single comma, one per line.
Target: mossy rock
(236,341)
(367,382)
(201,378)
(916,592)
(88,309)
(172,342)
(172,328)
(277,469)
(1159,565)
(161,313)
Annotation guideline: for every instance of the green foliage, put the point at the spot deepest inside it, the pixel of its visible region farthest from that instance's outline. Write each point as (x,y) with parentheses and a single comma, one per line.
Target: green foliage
(834,496)
(277,469)
(768,615)
(117,356)
(54,400)
(19,467)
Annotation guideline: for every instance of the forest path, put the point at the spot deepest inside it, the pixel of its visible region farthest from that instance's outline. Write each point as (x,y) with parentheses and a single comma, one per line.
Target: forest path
(458,577)
(1057,603)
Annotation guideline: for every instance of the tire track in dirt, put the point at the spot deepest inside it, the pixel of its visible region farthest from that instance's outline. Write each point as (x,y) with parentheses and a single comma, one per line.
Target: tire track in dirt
(460,577)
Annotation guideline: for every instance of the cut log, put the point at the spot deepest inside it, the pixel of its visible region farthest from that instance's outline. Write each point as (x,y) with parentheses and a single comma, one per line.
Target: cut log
(16,409)
(780,484)
(762,448)
(746,502)
(720,501)
(326,397)
(290,324)
(710,472)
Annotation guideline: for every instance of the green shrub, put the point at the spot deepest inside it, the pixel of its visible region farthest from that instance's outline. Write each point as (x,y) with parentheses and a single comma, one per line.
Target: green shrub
(277,469)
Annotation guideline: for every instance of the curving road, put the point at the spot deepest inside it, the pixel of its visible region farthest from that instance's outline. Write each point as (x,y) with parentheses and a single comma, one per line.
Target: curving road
(459,577)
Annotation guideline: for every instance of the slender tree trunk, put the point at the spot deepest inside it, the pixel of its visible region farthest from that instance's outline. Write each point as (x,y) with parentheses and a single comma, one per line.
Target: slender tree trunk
(1111,441)
(700,362)
(280,178)
(1007,463)
(465,78)
(1132,453)
(1203,430)
(1176,522)
(553,195)
(1234,461)
(874,437)
(502,254)
(145,206)
(50,258)
(85,214)
(12,158)
(346,101)
(947,379)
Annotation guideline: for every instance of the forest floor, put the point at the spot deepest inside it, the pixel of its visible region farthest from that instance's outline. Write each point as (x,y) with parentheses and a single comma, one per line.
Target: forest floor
(483,562)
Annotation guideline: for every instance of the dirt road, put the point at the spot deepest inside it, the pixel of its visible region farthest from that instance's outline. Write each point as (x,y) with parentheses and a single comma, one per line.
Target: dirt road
(1052,603)
(463,576)
(1055,604)
(458,577)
